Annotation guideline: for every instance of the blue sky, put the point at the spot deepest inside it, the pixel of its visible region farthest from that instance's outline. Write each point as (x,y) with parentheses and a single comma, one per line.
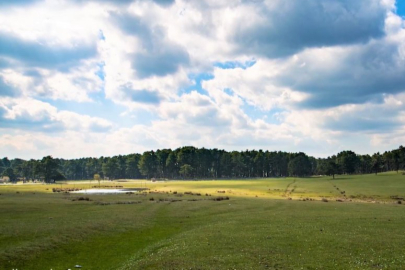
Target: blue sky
(401,7)
(101,78)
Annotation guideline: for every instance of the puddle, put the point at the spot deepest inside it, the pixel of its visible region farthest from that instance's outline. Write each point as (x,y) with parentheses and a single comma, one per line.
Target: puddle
(109,191)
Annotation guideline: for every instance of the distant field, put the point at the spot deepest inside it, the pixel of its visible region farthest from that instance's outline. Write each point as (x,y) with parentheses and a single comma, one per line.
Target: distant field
(44,230)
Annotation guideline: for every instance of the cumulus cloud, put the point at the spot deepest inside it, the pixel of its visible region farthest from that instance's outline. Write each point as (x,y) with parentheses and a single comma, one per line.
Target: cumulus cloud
(42,55)
(27,2)
(197,110)
(140,96)
(321,77)
(283,28)
(255,84)
(278,75)
(386,117)
(6,89)
(47,56)
(350,75)
(160,62)
(158,55)
(52,84)
(31,114)
(119,2)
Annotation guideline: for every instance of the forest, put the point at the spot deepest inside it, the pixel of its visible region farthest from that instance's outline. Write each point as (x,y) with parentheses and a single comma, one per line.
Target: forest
(200,163)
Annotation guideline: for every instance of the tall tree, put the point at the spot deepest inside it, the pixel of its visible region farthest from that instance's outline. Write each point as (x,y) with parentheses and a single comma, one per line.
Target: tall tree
(172,167)
(377,162)
(300,166)
(331,167)
(162,156)
(49,169)
(148,164)
(132,170)
(110,168)
(347,161)
(9,172)
(186,170)
(226,165)
(396,158)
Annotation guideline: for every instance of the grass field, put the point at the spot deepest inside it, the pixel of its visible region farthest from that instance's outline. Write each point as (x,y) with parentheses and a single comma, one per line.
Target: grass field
(257,228)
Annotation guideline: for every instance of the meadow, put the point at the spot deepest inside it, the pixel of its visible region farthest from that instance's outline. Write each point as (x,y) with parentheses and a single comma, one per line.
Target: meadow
(270,223)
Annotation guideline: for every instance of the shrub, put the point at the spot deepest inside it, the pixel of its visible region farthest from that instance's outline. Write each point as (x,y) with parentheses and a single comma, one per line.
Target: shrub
(81,199)
(128,202)
(221,198)
(102,203)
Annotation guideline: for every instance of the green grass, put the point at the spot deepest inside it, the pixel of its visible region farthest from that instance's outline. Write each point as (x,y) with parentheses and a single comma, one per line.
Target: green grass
(48,230)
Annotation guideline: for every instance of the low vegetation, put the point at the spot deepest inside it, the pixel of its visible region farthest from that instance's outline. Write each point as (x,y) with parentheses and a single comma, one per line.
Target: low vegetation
(227,224)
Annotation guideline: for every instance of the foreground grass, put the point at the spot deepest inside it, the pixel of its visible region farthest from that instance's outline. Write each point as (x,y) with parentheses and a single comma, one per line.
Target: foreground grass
(50,231)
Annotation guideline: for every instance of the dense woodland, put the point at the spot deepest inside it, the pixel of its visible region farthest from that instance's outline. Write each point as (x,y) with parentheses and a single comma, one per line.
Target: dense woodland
(201,163)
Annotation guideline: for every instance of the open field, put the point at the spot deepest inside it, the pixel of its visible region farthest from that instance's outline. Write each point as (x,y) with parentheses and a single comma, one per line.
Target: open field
(44,230)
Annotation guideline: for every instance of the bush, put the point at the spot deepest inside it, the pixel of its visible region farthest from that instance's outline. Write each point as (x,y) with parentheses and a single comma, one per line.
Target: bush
(221,199)
(102,203)
(81,199)
(128,202)
(65,190)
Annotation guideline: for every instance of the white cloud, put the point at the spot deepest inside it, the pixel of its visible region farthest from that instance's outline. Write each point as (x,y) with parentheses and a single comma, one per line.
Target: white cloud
(255,84)
(321,82)
(57,23)
(31,114)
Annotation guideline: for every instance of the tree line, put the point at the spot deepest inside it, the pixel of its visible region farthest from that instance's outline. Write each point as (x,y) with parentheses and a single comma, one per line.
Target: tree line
(201,163)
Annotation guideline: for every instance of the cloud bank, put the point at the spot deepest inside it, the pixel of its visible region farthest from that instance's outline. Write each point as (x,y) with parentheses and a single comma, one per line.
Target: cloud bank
(91,78)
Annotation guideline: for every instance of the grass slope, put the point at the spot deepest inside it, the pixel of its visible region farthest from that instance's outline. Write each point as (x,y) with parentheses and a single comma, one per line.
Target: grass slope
(44,230)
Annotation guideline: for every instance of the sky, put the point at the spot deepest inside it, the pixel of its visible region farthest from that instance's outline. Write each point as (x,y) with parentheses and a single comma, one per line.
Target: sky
(102,77)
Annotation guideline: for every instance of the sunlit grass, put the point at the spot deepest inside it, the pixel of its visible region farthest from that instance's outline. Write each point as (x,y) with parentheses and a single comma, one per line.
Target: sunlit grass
(44,230)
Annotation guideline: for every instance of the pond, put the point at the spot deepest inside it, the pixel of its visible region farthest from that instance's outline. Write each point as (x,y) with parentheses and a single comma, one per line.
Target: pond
(109,191)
